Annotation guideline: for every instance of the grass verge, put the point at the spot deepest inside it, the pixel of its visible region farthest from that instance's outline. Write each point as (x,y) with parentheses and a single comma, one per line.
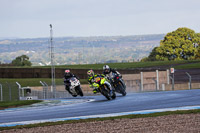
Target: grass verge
(106,118)
(188,66)
(130,65)
(9,104)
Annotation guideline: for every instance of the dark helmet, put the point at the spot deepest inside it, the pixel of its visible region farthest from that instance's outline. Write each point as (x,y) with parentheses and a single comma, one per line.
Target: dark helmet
(90,73)
(106,68)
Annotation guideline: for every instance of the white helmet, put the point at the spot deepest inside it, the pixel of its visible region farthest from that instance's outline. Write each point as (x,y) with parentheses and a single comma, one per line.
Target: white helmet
(106,68)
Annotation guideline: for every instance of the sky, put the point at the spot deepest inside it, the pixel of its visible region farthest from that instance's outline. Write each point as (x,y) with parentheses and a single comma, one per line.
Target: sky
(31,18)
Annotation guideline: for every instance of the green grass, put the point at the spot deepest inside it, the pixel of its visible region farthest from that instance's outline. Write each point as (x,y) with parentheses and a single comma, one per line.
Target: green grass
(103,119)
(188,66)
(128,65)
(9,104)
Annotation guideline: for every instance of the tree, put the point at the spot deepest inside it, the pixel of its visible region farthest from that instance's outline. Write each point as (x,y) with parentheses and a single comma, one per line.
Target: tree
(152,55)
(181,44)
(22,60)
(198,48)
(198,53)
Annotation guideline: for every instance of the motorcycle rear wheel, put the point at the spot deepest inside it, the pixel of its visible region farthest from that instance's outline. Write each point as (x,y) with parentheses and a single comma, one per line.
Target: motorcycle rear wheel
(121,89)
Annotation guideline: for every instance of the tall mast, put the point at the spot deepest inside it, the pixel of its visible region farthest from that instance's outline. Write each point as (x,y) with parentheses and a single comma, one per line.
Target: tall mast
(53,85)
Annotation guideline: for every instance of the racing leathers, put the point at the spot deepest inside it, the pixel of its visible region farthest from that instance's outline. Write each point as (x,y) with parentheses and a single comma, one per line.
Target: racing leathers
(108,75)
(67,77)
(91,81)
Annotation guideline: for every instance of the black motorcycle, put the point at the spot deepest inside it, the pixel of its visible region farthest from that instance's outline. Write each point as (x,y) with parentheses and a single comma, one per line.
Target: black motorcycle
(74,86)
(118,84)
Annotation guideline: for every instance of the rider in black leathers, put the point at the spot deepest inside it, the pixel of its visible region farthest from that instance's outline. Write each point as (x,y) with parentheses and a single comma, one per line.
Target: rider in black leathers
(67,77)
(107,71)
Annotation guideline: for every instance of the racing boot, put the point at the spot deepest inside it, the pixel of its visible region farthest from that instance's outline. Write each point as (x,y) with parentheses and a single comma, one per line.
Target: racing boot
(95,90)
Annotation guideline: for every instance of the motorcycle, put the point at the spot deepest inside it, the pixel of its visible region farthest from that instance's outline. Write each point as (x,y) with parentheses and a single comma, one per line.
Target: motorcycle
(99,84)
(118,84)
(74,86)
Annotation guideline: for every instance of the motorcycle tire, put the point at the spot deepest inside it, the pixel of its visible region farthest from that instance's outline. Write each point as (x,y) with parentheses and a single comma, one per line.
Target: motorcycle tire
(106,93)
(74,95)
(113,95)
(121,89)
(79,91)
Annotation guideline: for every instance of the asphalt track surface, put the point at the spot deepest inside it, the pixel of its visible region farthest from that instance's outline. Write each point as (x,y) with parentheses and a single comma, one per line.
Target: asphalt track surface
(100,105)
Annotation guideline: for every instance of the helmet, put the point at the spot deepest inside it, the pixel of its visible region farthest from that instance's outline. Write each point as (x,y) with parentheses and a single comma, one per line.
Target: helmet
(67,72)
(106,69)
(90,73)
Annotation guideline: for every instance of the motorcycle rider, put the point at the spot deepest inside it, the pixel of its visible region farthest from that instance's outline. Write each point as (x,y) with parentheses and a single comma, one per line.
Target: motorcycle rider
(92,76)
(107,71)
(67,77)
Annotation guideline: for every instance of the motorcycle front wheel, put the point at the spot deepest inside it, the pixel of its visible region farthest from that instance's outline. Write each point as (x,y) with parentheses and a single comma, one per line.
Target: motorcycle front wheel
(113,95)
(79,91)
(105,93)
(74,95)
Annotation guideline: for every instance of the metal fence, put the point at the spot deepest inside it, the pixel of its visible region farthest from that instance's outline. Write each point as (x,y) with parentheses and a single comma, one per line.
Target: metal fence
(9,92)
(14,92)
(164,80)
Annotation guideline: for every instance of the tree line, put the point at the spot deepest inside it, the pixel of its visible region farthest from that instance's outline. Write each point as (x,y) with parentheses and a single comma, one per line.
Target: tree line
(22,60)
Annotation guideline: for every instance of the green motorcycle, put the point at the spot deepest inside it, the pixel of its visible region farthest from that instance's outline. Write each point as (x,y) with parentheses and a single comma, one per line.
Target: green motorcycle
(101,84)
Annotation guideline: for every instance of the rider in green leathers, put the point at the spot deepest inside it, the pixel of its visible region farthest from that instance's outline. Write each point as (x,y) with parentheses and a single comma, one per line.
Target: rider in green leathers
(92,76)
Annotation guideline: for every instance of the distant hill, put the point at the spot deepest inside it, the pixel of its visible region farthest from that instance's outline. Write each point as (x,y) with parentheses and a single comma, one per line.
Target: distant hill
(80,50)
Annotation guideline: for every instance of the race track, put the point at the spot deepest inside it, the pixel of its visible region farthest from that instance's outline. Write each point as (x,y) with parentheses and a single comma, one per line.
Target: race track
(100,105)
